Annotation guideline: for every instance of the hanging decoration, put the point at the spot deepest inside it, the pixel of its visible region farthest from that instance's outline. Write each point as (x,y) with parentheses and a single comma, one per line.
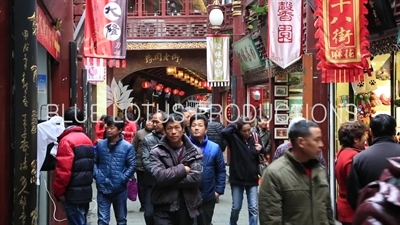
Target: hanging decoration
(342,40)
(285,31)
(181,93)
(218,69)
(171,70)
(104,36)
(167,90)
(146,85)
(175,91)
(158,87)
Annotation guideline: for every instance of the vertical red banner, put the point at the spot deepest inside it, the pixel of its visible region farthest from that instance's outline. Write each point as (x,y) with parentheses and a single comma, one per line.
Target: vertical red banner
(342,40)
(105,29)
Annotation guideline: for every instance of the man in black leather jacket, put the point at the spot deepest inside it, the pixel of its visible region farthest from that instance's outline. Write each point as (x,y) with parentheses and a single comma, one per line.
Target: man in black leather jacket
(148,143)
(214,131)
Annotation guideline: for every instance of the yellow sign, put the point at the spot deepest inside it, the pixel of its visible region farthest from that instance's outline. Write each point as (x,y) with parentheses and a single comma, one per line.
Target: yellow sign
(162,57)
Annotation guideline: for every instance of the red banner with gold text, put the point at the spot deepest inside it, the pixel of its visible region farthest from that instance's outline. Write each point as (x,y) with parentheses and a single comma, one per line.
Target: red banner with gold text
(342,40)
(105,32)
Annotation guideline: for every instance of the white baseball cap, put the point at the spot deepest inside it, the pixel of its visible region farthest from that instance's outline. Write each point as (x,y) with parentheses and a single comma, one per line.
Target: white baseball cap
(294,121)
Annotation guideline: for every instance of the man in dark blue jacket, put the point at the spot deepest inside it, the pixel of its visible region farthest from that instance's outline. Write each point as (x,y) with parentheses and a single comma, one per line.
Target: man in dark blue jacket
(214,173)
(115,163)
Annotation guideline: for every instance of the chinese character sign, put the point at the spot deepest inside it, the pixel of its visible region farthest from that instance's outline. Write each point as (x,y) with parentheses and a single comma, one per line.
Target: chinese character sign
(218,60)
(247,53)
(285,31)
(342,40)
(105,29)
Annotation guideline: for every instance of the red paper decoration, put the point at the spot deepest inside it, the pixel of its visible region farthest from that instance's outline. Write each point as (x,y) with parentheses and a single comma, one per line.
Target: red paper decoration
(167,90)
(229,108)
(175,91)
(146,85)
(181,93)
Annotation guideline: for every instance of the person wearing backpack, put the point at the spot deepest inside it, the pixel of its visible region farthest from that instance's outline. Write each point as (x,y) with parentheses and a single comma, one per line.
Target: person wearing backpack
(379,201)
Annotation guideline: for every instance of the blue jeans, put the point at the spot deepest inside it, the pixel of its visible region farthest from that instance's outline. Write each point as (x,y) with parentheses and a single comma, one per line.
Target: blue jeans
(76,213)
(237,201)
(118,201)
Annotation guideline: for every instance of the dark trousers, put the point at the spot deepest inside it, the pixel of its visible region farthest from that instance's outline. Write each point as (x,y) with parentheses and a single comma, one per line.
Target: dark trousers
(148,207)
(76,213)
(205,218)
(141,187)
(118,201)
(180,217)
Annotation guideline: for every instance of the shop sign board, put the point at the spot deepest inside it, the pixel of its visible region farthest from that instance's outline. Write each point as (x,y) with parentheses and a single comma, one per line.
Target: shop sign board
(247,53)
(47,34)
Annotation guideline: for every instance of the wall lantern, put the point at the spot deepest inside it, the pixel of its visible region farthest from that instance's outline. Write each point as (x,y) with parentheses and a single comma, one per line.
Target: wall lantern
(167,90)
(146,85)
(175,91)
(171,70)
(256,95)
(158,87)
(181,93)
(216,16)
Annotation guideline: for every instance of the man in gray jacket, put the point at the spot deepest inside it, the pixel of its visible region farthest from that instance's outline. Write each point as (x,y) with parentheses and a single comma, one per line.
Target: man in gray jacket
(177,166)
(148,143)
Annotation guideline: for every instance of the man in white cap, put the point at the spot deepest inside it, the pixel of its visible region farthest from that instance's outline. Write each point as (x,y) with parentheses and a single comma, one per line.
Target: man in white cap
(280,151)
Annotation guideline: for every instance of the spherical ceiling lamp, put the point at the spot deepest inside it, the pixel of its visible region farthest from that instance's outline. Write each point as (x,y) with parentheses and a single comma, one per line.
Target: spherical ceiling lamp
(171,70)
(158,87)
(181,93)
(146,85)
(175,91)
(216,16)
(167,90)
(256,95)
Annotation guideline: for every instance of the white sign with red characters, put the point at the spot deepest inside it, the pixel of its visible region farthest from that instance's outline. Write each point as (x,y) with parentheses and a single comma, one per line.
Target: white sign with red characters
(285,31)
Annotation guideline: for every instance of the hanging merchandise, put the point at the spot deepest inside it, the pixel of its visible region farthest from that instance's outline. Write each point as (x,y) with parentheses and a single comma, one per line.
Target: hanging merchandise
(370,82)
(358,87)
(364,107)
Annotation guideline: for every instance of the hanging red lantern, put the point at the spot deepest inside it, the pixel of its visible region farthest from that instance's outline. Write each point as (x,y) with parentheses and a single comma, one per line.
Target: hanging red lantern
(175,91)
(181,93)
(158,87)
(204,83)
(146,85)
(198,97)
(167,90)
(209,88)
(204,98)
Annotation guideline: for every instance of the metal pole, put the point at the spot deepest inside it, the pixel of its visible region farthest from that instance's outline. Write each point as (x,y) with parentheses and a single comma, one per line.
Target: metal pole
(84,96)
(73,60)
(25,112)
(331,148)
(234,98)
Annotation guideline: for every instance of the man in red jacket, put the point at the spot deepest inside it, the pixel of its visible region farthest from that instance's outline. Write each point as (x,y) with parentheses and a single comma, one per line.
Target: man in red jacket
(74,168)
(130,128)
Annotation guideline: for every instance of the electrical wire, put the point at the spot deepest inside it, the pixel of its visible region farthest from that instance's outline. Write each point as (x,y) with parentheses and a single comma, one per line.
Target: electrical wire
(55,207)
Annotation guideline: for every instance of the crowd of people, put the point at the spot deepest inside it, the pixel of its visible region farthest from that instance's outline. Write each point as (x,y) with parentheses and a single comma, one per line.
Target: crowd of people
(180,169)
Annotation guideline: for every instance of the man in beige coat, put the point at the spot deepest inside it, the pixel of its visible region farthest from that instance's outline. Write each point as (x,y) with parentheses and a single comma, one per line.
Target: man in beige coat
(294,188)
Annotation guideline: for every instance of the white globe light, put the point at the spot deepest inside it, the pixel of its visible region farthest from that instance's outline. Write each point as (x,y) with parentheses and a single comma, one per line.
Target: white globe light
(256,95)
(216,17)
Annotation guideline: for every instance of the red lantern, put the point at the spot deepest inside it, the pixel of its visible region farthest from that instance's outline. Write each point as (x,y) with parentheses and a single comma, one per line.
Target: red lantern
(204,98)
(158,87)
(209,88)
(146,85)
(181,93)
(198,97)
(175,91)
(204,83)
(167,90)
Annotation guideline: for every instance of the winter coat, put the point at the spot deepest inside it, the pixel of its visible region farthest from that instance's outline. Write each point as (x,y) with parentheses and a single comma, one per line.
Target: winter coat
(172,184)
(114,165)
(149,142)
(289,194)
(214,172)
(74,167)
(379,202)
(369,164)
(130,131)
(137,143)
(265,138)
(214,134)
(244,167)
(99,129)
(344,159)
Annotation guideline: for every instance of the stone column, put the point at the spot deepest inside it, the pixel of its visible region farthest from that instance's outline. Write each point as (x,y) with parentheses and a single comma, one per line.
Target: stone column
(24,116)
